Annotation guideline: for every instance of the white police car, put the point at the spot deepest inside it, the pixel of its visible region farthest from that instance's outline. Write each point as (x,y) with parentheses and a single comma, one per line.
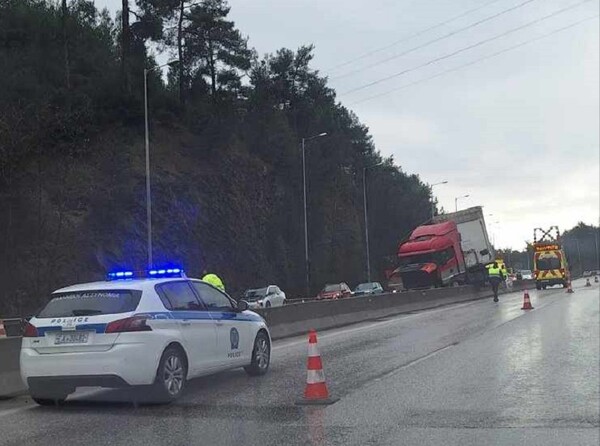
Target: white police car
(158,331)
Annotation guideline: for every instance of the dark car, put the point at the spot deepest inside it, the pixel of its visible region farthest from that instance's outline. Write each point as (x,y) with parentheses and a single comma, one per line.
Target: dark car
(368,288)
(334,291)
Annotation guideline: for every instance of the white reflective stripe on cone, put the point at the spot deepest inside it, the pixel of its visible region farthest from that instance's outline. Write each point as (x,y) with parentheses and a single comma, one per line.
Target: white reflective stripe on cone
(313,350)
(315,376)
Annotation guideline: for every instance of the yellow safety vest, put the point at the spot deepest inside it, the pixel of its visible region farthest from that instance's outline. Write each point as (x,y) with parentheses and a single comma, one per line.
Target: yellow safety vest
(494,272)
(214,280)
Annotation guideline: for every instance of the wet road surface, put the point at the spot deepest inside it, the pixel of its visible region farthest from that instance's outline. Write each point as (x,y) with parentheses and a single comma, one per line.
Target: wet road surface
(468,374)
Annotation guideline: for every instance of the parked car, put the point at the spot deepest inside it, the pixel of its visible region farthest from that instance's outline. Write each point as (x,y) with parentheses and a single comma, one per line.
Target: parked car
(269,296)
(368,288)
(525,274)
(335,291)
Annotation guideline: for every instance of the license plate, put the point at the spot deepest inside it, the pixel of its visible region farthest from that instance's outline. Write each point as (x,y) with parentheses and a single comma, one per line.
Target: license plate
(71,338)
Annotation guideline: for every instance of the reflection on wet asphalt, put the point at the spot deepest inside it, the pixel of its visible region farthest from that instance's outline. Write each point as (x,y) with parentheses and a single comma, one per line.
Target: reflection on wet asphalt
(475,373)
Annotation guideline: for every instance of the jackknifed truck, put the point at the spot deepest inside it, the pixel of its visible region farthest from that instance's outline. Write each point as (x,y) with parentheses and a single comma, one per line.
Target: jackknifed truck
(451,250)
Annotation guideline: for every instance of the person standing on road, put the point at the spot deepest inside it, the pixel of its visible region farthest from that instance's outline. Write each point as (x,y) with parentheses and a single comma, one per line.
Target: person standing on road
(213,279)
(496,276)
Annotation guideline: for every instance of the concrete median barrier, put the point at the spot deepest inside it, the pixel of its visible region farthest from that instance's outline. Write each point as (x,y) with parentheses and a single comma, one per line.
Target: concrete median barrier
(298,318)
(10,377)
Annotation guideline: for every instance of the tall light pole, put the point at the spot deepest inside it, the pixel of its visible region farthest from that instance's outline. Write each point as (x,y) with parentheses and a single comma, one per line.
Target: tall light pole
(597,253)
(494,232)
(147,136)
(432,203)
(306,261)
(579,255)
(366,218)
(456,201)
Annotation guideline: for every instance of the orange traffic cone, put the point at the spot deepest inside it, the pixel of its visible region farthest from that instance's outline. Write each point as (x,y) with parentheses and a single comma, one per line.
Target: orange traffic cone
(526,302)
(316,392)
(570,287)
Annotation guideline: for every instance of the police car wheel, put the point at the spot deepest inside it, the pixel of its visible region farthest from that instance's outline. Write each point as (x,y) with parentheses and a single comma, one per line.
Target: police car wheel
(45,395)
(261,356)
(171,376)
(49,401)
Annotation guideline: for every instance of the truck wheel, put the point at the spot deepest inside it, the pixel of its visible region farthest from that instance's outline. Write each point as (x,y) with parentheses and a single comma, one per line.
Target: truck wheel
(538,286)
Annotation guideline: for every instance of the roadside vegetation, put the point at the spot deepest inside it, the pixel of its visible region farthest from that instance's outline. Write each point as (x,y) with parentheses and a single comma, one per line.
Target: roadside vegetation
(226,126)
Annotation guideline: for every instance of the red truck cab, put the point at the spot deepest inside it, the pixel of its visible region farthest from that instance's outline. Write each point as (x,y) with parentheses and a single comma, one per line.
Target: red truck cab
(432,256)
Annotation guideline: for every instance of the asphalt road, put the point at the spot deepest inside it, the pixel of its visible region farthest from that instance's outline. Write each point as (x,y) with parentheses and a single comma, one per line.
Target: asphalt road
(468,374)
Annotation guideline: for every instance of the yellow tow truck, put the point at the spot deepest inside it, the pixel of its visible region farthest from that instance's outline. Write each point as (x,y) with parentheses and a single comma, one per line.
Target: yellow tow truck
(550,265)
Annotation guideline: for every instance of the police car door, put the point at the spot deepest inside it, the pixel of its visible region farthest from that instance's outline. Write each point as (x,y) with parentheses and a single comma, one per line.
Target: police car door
(195,324)
(234,332)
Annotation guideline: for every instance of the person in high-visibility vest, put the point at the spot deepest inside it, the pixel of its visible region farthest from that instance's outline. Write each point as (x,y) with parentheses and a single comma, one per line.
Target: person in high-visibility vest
(213,279)
(496,276)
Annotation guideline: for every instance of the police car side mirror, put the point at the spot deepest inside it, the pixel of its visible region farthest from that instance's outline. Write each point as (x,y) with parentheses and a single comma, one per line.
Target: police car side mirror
(242,305)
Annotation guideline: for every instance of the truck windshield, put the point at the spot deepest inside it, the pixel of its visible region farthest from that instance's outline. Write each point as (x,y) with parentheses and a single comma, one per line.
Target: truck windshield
(548,263)
(439,257)
(419,258)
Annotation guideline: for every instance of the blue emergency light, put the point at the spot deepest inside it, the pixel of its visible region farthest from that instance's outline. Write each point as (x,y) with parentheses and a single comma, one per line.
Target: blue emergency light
(120,275)
(165,272)
(155,273)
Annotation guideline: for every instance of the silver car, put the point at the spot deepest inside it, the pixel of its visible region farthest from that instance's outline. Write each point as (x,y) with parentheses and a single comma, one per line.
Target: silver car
(267,297)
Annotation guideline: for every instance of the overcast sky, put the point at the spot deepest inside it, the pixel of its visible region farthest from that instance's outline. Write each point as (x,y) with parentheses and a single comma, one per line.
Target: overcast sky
(518,132)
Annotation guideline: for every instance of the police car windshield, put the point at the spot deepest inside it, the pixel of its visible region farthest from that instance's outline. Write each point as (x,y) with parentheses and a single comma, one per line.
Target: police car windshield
(335,287)
(365,286)
(91,303)
(252,295)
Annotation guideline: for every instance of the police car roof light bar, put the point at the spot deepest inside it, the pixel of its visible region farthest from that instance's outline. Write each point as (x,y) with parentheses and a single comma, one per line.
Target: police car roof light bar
(155,273)
(166,272)
(120,275)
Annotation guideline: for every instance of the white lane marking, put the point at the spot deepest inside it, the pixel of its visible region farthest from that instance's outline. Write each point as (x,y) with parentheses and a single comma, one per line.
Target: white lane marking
(371,326)
(8,412)
(415,362)
(302,340)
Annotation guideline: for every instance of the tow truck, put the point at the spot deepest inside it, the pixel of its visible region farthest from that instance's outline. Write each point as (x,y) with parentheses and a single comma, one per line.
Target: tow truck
(549,259)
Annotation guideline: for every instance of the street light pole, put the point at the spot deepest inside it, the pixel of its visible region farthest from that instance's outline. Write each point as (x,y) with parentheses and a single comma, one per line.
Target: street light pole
(432,203)
(456,201)
(597,254)
(147,146)
(579,255)
(148,194)
(306,259)
(366,218)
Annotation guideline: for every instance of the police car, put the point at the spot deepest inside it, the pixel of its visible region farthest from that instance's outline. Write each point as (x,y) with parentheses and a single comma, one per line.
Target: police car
(155,330)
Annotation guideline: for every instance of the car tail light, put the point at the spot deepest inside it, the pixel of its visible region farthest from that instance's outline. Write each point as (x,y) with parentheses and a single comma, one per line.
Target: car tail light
(129,324)
(30,331)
